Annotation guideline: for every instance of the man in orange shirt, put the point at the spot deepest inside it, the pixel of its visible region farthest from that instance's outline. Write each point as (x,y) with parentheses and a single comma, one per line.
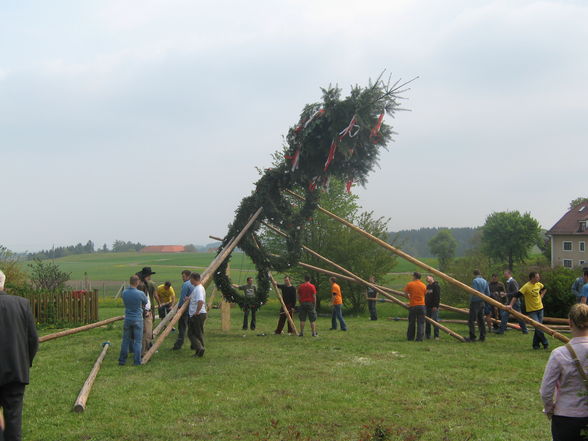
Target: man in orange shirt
(416,311)
(337,302)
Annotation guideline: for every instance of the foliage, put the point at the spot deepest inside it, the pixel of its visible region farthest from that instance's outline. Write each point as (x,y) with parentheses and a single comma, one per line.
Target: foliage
(544,245)
(47,276)
(416,242)
(190,248)
(559,297)
(442,245)
(120,246)
(12,269)
(341,245)
(577,201)
(336,138)
(55,253)
(507,236)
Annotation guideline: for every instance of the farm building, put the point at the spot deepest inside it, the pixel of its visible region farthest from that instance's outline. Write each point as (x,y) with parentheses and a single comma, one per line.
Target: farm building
(568,238)
(163,249)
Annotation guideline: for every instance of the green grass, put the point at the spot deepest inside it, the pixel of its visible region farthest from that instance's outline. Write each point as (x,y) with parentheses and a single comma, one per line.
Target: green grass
(340,386)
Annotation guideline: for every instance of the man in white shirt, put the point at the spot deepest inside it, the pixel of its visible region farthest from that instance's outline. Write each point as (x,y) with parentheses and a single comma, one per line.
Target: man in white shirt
(197,313)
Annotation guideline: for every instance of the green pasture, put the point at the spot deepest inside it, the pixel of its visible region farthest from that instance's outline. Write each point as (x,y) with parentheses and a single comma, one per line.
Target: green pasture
(254,385)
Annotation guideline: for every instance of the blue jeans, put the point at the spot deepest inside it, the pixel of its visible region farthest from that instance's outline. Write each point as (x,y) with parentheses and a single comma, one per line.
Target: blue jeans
(338,315)
(432,315)
(504,318)
(132,330)
(477,315)
(538,335)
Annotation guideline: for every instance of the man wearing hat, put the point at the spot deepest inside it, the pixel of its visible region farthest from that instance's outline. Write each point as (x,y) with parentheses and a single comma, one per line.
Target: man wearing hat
(148,287)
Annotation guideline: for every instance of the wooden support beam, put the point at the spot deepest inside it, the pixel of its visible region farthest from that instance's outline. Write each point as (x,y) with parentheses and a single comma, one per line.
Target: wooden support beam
(80,404)
(366,283)
(205,277)
(438,273)
(80,329)
(165,320)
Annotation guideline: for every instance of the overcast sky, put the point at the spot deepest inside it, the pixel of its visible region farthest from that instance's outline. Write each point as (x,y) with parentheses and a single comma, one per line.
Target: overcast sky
(145,120)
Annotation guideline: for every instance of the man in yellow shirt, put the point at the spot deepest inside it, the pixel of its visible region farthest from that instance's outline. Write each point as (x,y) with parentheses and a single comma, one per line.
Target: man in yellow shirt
(533,292)
(337,302)
(166,297)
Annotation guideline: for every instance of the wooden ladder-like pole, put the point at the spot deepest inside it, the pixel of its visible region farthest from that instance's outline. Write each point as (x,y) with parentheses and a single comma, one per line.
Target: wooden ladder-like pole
(366,283)
(438,273)
(80,329)
(206,275)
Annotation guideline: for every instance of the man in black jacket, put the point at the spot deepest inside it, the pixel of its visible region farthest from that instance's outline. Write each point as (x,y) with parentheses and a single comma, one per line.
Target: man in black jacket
(432,299)
(18,346)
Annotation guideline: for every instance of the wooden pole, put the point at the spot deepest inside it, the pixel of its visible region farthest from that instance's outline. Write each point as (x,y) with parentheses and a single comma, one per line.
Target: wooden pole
(366,283)
(165,320)
(218,260)
(440,274)
(80,404)
(211,298)
(80,329)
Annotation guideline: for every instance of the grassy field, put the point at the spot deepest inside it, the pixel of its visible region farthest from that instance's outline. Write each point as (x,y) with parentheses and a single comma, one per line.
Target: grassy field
(339,386)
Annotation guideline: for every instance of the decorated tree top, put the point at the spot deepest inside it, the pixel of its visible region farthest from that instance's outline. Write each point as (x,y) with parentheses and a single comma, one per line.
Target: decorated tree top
(337,137)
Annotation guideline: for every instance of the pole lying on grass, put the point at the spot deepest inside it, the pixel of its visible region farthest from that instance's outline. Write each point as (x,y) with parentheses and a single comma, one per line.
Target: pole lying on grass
(366,283)
(438,273)
(80,329)
(80,404)
(206,274)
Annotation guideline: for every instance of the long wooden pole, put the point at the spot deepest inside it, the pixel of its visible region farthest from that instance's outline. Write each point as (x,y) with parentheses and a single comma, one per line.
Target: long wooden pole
(219,259)
(366,283)
(438,273)
(394,291)
(80,404)
(165,320)
(80,329)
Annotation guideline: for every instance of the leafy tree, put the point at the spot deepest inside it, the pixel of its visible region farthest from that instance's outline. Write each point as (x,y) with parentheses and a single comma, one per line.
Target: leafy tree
(443,245)
(577,202)
(190,248)
(11,267)
(47,276)
(508,236)
(341,245)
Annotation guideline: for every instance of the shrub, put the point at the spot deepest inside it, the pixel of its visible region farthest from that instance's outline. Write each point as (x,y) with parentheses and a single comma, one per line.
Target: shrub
(9,264)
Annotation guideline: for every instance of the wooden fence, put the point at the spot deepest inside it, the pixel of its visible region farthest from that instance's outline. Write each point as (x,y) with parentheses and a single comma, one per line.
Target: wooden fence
(64,307)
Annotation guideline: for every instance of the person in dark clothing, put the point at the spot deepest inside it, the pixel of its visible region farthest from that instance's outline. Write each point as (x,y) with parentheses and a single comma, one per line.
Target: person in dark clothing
(18,345)
(497,290)
(512,287)
(372,297)
(289,296)
(432,299)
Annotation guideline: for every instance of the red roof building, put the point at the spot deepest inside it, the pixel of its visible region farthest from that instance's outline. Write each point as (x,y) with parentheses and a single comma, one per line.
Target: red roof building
(163,249)
(568,238)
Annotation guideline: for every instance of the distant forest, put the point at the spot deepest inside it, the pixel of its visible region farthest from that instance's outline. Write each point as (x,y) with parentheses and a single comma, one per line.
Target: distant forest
(416,242)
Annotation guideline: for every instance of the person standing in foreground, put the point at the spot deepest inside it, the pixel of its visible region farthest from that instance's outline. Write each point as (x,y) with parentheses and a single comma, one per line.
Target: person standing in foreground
(187,289)
(416,310)
(477,307)
(432,299)
(337,303)
(289,297)
(134,300)
(197,312)
(372,297)
(250,291)
(18,345)
(533,292)
(564,389)
(512,287)
(307,299)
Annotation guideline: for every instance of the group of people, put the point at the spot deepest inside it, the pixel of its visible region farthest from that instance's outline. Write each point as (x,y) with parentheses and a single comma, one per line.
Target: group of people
(138,322)
(423,301)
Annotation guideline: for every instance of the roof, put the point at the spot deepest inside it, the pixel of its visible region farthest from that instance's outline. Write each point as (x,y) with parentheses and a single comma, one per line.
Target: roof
(163,249)
(570,222)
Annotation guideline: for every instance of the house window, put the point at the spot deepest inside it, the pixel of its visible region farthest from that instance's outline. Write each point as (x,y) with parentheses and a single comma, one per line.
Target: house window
(582,246)
(582,226)
(582,262)
(567,263)
(567,246)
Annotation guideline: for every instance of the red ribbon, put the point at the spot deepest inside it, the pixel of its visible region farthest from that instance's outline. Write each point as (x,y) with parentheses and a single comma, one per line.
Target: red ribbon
(376,130)
(331,156)
(348,186)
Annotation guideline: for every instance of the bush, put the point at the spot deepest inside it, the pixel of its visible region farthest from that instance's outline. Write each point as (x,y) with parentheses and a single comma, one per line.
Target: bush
(16,278)
(47,276)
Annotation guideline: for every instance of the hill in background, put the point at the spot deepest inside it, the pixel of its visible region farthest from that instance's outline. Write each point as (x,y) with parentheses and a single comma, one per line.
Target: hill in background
(416,242)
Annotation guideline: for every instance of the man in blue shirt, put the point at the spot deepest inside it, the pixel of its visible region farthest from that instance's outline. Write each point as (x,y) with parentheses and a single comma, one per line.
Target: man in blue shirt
(578,286)
(187,289)
(584,293)
(477,307)
(134,301)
